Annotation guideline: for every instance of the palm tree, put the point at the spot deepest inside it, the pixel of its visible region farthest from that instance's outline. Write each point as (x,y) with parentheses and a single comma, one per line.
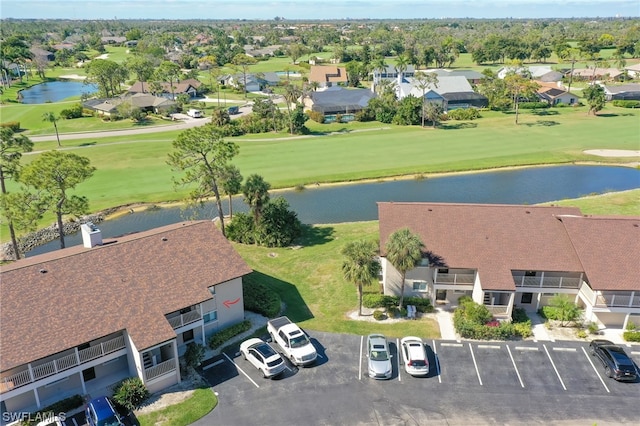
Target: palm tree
(404,252)
(291,95)
(231,183)
(51,118)
(423,82)
(360,266)
(256,195)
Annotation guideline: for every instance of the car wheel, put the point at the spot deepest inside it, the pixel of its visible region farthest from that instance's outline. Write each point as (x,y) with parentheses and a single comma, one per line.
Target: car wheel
(607,371)
(264,374)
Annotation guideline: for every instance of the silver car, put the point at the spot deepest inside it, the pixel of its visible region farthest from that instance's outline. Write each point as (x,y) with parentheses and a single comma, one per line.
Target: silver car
(263,357)
(379,358)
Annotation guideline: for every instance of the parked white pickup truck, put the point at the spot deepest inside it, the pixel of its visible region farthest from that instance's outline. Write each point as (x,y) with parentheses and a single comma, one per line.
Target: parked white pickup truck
(293,341)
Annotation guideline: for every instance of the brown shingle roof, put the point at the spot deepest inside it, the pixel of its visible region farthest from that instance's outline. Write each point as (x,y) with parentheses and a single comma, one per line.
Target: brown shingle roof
(328,73)
(493,239)
(127,283)
(609,248)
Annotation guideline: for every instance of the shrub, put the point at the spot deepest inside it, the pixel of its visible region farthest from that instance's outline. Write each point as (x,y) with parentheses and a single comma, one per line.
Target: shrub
(194,354)
(241,229)
(593,328)
(260,298)
(13,125)
(626,104)
(523,329)
(73,112)
(422,304)
(377,300)
(463,114)
(519,315)
(222,336)
(316,116)
(533,105)
(581,334)
(631,336)
(130,393)
(378,315)
(562,309)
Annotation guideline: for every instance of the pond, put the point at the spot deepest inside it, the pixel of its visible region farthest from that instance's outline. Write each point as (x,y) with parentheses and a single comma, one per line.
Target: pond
(54,91)
(357,202)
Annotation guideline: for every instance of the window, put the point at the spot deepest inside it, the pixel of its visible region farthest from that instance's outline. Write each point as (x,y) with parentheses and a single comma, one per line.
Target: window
(424,262)
(419,286)
(89,374)
(210,317)
(530,274)
(443,270)
(526,297)
(187,336)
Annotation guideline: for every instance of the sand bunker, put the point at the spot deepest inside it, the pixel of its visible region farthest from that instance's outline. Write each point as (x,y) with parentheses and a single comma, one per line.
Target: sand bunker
(613,152)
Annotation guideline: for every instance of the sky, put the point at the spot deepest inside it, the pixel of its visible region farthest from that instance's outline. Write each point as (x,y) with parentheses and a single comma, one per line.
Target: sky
(315,9)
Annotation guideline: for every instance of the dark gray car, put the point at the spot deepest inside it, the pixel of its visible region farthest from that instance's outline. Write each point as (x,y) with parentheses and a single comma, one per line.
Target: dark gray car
(617,363)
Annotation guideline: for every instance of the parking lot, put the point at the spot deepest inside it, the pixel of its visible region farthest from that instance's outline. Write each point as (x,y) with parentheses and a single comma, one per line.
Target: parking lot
(489,380)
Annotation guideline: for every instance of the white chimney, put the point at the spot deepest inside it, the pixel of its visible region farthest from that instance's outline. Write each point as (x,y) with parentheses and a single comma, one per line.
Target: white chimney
(91,235)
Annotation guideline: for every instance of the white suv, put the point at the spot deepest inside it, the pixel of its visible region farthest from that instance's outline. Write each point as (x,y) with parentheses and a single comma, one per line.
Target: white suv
(414,356)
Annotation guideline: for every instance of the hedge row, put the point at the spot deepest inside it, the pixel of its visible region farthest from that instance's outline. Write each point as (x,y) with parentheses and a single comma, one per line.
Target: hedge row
(222,336)
(631,336)
(533,105)
(470,320)
(259,298)
(389,302)
(13,125)
(626,104)
(463,114)
(64,406)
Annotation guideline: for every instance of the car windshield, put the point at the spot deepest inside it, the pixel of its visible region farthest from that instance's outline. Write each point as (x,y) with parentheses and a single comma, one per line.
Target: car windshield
(299,341)
(111,421)
(379,355)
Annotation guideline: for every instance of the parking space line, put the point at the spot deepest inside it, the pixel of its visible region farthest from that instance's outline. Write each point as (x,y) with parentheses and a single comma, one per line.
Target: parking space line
(398,355)
(74,421)
(456,345)
(554,366)
(360,359)
(594,369)
(635,353)
(435,352)
(515,366)
(218,362)
(476,364)
(489,346)
(564,349)
(241,370)
(526,348)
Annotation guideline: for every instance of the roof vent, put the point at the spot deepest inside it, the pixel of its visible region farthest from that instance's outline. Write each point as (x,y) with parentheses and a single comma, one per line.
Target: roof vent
(91,235)
(165,239)
(43,271)
(527,212)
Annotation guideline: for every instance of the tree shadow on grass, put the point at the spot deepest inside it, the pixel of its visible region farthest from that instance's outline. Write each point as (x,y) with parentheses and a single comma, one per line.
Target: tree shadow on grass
(544,123)
(544,112)
(625,114)
(88,143)
(296,308)
(314,235)
(458,126)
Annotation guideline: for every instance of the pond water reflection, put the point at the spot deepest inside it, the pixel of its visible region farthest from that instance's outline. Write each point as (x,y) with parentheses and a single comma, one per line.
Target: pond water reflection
(54,91)
(357,202)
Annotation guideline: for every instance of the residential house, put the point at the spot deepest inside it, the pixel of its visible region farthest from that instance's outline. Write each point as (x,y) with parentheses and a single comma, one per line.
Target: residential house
(187,87)
(253,82)
(79,320)
(451,92)
(597,73)
(258,52)
(506,256)
(145,101)
(633,70)
(113,39)
(39,52)
(391,72)
(626,92)
(554,95)
(535,72)
(327,75)
(473,77)
(338,100)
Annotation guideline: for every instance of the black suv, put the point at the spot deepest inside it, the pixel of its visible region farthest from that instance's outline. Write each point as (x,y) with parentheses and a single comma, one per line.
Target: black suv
(617,363)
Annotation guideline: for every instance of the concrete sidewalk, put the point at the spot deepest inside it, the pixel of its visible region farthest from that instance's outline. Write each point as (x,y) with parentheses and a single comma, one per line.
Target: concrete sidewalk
(445,321)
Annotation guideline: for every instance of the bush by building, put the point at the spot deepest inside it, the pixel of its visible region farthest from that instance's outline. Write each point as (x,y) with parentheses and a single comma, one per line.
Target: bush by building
(222,336)
(259,298)
(130,393)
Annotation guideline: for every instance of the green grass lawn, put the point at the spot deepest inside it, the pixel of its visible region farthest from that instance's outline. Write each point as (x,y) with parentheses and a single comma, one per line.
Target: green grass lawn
(198,405)
(309,281)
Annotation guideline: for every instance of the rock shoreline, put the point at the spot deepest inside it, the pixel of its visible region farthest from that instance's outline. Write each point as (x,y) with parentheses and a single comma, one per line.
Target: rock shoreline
(42,236)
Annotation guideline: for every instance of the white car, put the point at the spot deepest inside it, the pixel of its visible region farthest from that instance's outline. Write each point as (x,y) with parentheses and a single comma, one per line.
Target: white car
(414,356)
(263,357)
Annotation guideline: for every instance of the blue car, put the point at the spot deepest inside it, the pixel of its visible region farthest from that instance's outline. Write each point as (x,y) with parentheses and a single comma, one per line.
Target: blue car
(101,412)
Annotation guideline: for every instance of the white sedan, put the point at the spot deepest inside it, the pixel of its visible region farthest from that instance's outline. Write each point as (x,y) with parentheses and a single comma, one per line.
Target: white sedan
(414,356)
(263,357)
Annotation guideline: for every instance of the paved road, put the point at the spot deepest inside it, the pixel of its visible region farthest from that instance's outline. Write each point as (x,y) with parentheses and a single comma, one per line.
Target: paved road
(187,123)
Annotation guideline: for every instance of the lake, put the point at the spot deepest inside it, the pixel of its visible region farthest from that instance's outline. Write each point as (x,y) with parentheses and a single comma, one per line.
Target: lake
(55,91)
(357,202)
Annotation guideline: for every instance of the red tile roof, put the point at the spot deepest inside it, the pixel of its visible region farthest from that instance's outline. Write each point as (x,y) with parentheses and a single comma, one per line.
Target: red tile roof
(59,300)
(493,239)
(609,248)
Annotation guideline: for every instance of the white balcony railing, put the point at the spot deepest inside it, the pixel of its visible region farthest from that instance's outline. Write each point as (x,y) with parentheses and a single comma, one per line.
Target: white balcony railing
(547,282)
(160,369)
(65,362)
(184,319)
(498,310)
(462,279)
(618,300)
